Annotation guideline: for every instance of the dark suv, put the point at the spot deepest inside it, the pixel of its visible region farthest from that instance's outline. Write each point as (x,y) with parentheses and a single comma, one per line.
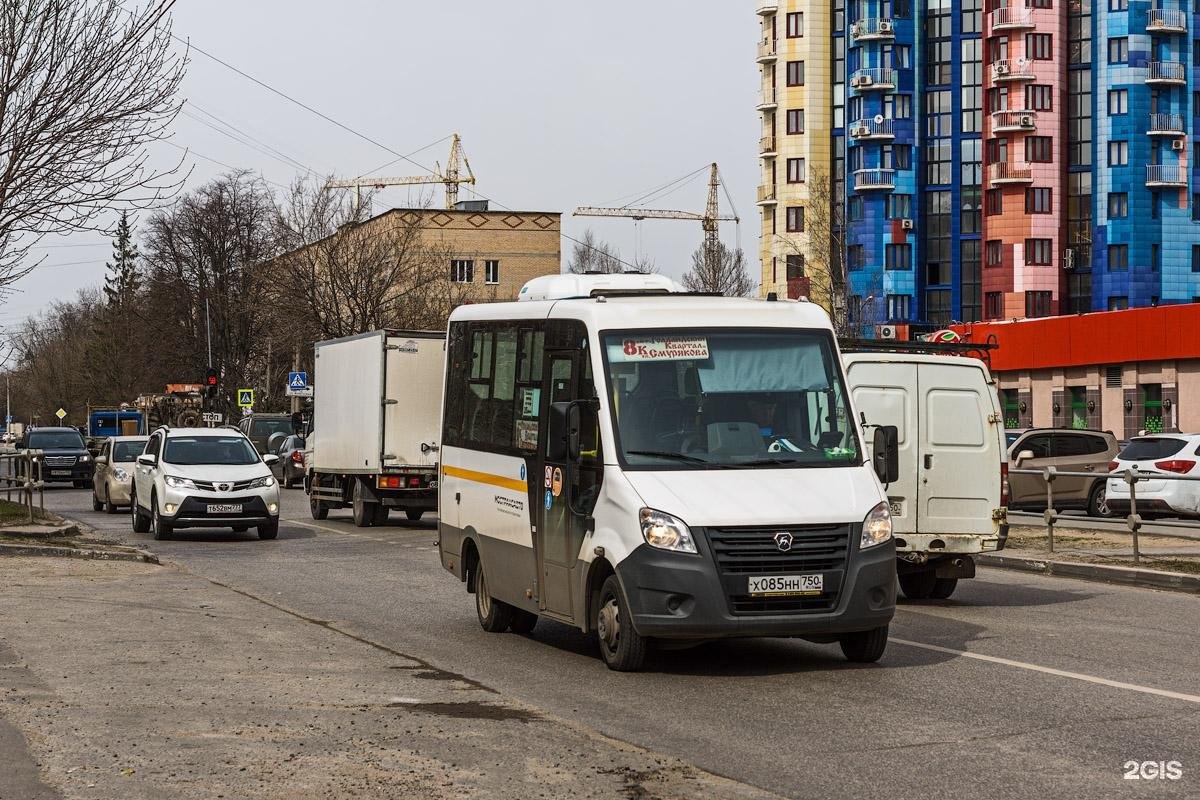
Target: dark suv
(1064,449)
(260,427)
(65,457)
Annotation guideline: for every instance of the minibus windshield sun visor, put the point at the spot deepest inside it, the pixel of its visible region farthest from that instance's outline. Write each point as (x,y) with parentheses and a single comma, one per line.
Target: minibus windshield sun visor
(717,399)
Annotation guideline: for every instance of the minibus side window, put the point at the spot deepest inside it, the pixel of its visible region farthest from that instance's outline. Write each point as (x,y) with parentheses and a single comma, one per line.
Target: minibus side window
(529,389)
(591,461)
(458,357)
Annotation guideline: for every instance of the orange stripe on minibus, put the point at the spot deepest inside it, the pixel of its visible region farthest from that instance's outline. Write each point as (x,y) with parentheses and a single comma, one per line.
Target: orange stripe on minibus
(514,484)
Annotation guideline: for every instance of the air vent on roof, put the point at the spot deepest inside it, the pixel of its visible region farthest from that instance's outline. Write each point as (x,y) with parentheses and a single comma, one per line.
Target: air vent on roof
(1112,377)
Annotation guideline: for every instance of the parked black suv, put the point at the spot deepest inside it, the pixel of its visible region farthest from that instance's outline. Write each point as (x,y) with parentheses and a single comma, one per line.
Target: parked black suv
(65,457)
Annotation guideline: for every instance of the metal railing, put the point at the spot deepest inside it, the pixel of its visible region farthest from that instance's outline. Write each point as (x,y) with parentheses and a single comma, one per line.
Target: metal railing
(1171,174)
(1011,69)
(873,28)
(1174,71)
(1012,17)
(865,128)
(1014,119)
(21,473)
(766,48)
(874,179)
(1131,477)
(1166,19)
(874,76)
(766,144)
(1006,171)
(1167,123)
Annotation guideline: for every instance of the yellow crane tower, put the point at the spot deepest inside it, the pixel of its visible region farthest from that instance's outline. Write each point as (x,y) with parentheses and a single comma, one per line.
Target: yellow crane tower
(451,178)
(708,220)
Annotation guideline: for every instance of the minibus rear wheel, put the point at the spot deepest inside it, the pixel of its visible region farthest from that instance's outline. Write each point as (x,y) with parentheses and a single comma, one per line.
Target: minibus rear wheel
(864,647)
(494,616)
(623,648)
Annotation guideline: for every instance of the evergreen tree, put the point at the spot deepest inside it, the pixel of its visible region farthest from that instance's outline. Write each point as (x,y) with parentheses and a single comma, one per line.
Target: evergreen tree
(121,283)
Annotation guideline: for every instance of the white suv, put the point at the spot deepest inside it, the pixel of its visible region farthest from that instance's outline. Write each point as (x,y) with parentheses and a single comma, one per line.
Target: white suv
(203,478)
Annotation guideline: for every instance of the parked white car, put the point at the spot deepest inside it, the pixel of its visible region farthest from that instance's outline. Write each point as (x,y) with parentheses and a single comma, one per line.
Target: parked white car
(204,478)
(1161,454)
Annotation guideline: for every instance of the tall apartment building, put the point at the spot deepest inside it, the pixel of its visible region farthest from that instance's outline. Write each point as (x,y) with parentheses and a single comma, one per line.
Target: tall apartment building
(983,159)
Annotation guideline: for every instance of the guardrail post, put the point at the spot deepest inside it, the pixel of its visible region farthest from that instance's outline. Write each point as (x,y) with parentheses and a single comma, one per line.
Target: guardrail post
(1133,521)
(1051,516)
(29,484)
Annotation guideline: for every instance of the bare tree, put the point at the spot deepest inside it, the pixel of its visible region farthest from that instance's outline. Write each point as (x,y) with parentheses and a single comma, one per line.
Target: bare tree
(345,274)
(725,274)
(84,88)
(590,255)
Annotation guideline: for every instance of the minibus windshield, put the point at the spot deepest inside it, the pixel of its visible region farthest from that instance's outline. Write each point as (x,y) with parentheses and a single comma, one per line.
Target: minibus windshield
(728,399)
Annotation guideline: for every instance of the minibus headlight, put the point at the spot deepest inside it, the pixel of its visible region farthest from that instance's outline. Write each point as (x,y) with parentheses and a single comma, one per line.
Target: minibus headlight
(877,527)
(666,532)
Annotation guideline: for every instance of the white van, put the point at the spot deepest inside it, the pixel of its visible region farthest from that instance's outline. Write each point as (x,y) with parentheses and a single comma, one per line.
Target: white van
(950,501)
(647,464)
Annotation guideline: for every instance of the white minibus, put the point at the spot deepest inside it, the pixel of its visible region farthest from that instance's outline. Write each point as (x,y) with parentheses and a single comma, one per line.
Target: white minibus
(647,464)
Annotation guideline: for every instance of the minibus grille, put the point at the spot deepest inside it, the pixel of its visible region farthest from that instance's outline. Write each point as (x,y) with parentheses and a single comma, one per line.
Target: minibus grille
(742,552)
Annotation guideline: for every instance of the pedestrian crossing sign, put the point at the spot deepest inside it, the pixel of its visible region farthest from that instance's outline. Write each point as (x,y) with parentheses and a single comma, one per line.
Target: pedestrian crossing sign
(245,398)
(297,380)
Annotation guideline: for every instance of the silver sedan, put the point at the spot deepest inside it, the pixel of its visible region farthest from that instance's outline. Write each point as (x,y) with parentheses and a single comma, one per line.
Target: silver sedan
(114,472)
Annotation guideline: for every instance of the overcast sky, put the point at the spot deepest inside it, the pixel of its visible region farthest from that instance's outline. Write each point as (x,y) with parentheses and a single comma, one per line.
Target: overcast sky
(560,103)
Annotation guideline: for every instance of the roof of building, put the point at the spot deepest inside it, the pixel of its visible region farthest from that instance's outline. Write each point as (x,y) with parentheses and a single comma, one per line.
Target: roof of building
(1160,333)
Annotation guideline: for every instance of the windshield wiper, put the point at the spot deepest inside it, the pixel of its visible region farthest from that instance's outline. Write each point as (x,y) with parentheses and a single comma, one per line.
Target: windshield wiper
(759,462)
(666,454)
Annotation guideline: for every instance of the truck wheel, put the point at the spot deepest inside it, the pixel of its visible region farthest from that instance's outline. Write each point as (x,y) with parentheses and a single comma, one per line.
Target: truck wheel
(414,514)
(943,588)
(141,523)
(918,585)
(317,509)
(494,615)
(522,621)
(622,648)
(362,511)
(864,647)
(1097,502)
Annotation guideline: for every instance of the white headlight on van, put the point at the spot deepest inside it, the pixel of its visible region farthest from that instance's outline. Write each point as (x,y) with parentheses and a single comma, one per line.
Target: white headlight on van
(666,532)
(877,527)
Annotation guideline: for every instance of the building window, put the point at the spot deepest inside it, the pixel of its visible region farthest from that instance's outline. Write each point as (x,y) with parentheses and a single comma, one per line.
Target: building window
(993,202)
(1037,200)
(1039,97)
(1118,102)
(1196,258)
(1037,304)
(897,256)
(1152,407)
(1042,4)
(795,120)
(1118,5)
(1118,257)
(937,306)
(795,25)
(795,73)
(899,306)
(854,208)
(995,252)
(1079,412)
(796,172)
(1155,201)
(1118,154)
(898,206)
(1039,46)
(795,266)
(902,106)
(1118,50)
(1118,205)
(491,271)
(1012,408)
(1155,260)
(1079,288)
(1037,251)
(1118,303)
(1037,149)
(462,270)
(855,257)
(1196,202)
(795,219)
(993,305)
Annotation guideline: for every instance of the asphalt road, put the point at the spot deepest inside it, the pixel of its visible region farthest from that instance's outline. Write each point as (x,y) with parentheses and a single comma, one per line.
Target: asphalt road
(1018,686)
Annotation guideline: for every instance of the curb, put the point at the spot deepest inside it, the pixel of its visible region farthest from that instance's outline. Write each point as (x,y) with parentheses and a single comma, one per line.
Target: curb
(99,554)
(1122,575)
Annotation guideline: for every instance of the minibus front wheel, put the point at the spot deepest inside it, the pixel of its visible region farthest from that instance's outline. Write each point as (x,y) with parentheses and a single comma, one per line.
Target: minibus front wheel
(864,647)
(622,648)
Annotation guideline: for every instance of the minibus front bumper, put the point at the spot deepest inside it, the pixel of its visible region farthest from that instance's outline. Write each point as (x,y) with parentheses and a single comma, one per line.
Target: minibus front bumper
(685,596)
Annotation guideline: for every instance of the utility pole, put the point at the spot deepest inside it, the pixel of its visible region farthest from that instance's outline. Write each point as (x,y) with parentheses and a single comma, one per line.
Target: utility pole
(267,377)
(295,368)
(208,328)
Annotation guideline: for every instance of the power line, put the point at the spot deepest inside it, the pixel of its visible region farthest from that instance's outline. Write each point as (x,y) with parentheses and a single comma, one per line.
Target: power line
(242,136)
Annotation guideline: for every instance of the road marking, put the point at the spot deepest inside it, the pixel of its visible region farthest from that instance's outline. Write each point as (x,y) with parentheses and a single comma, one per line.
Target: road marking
(1078,676)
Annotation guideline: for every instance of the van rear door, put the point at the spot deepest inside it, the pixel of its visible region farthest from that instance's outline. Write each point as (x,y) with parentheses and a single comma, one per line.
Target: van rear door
(885,392)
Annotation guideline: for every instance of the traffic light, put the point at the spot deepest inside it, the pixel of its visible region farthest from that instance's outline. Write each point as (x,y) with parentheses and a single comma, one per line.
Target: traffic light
(210,382)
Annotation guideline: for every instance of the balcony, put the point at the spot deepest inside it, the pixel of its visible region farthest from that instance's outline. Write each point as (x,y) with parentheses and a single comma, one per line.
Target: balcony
(1012,70)
(878,128)
(766,51)
(1013,120)
(1166,125)
(1011,19)
(766,146)
(1166,20)
(873,29)
(767,7)
(1168,73)
(767,101)
(872,180)
(1005,173)
(766,195)
(1166,175)
(877,79)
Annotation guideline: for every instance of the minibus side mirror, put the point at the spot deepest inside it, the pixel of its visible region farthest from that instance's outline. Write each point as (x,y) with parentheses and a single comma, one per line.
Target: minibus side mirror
(885,453)
(564,432)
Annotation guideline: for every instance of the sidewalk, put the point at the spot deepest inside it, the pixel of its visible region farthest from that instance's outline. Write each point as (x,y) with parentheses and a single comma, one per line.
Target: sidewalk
(135,681)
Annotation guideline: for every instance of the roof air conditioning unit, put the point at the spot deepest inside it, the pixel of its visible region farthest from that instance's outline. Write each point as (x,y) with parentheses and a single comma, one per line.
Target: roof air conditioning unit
(885,26)
(906,224)
(854,80)
(1027,121)
(1000,69)
(1178,144)
(886,332)
(859,130)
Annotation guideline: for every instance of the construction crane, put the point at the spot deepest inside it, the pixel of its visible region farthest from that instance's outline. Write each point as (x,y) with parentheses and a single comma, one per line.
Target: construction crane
(451,178)
(708,220)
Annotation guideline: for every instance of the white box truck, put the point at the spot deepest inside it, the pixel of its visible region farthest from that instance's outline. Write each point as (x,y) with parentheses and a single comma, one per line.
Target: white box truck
(950,501)
(375,427)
